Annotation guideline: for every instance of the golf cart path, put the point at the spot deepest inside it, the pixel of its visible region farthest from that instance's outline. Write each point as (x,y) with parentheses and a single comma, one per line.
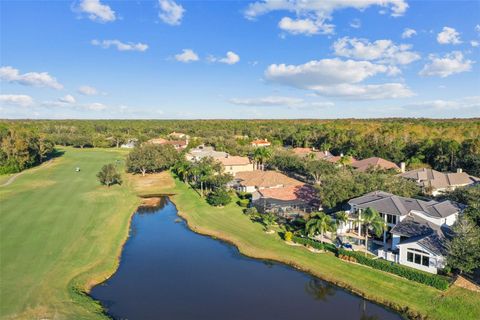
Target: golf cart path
(16,175)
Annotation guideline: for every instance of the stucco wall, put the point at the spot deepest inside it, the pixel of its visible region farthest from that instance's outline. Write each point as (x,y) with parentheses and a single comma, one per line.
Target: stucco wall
(436,262)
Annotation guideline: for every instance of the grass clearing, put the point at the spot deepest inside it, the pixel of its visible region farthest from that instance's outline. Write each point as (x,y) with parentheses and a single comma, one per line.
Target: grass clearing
(58,229)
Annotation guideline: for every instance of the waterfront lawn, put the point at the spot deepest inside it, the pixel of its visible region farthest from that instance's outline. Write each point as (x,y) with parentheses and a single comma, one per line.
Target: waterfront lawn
(60,229)
(229,223)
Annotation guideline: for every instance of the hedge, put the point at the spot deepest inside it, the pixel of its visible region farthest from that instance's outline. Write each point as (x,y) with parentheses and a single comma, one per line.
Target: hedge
(432,280)
(314,244)
(243,203)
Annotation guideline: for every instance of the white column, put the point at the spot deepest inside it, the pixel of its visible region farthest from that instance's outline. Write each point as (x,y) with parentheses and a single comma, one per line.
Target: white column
(384,231)
(359,223)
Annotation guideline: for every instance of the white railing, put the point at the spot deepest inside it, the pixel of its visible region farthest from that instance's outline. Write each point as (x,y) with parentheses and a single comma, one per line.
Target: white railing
(388,255)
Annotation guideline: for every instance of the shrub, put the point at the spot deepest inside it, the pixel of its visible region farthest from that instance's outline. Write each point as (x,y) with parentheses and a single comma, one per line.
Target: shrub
(432,280)
(314,244)
(109,175)
(252,211)
(243,203)
(244,195)
(219,197)
(288,236)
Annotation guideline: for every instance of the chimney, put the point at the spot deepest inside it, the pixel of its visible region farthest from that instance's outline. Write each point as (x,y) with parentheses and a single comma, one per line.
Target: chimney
(459,170)
(402,167)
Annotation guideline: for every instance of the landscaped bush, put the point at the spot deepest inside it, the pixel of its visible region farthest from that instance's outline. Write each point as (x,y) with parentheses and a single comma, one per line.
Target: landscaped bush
(288,236)
(219,197)
(244,195)
(314,244)
(243,203)
(433,280)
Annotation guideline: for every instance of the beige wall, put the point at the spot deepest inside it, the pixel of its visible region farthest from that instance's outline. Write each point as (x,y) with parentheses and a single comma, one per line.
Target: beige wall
(238,168)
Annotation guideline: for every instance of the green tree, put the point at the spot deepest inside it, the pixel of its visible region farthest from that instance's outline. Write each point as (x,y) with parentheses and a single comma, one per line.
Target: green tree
(261,155)
(318,168)
(319,223)
(219,197)
(371,221)
(151,158)
(109,175)
(463,249)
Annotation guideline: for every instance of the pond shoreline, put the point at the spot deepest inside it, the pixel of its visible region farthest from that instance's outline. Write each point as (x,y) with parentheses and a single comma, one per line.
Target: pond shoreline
(403,311)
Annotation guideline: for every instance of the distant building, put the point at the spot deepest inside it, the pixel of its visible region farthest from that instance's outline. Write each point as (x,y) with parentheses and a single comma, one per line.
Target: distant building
(374,163)
(435,182)
(202,151)
(178,135)
(129,144)
(310,152)
(231,164)
(258,180)
(177,144)
(260,143)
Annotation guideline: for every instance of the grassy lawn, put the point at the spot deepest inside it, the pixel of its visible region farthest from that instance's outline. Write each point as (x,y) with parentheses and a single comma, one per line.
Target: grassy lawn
(58,229)
(230,224)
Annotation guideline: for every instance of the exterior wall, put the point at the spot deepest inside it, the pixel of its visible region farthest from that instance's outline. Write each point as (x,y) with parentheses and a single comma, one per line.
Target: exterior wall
(238,168)
(450,220)
(436,262)
(395,241)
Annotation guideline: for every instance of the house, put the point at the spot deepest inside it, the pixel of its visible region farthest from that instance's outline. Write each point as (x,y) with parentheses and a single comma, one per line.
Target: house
(434,182)
(260,143)
(231,164)
(336,159)
(374,163)
(236,164)
(178,136)
(129,144)
(177,144)
(311,152)
(289,201)
(416,230)
(257,180)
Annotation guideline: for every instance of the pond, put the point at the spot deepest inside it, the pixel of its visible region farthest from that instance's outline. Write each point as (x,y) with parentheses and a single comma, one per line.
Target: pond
(169,272)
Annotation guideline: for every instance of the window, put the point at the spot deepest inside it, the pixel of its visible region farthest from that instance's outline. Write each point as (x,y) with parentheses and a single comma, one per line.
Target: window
(391,219)
(409,256)
(418,259)
(425,261)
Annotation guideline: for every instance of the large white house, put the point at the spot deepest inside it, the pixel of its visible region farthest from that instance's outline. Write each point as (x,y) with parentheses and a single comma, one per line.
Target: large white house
(416,230)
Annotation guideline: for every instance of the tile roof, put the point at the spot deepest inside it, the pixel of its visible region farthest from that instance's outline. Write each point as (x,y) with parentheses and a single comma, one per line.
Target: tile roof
(375,162)
(290,193)
(234,160)
(265,179)
(439,180)
(385,202)
(259,142)
(335,159)
(204,151)
(319,155)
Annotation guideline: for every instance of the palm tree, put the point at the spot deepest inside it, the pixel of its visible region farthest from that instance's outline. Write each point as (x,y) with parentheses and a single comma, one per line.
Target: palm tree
(371,220)
(268,220)
(183,170)
(261,155)
(341,217)
(319,223)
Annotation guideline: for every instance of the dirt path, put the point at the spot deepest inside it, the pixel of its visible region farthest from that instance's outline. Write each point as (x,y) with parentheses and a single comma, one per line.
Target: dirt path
(16,175)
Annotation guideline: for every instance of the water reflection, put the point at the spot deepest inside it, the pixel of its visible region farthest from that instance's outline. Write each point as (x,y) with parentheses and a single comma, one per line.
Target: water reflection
(169,272)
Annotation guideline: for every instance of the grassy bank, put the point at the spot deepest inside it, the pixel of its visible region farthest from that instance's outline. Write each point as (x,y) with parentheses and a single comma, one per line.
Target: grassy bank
(60,229)
(230,224)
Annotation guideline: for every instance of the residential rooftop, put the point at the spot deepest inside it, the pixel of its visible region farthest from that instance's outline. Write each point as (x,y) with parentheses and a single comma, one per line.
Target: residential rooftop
(265,179)
(429,178)
(374,162)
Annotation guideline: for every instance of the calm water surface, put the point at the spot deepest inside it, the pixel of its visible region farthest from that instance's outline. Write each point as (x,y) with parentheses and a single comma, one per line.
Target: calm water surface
(169,272)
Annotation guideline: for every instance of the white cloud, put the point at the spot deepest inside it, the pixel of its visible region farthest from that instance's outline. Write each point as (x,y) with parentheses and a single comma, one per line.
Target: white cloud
(408,33)
(121,46)
(36,79)
(96,106)
(230,58)
(448,36)
(96,11)
(384,51)
(187,55)
(67,99)
(171,12)
(475,43)
(335,77)
(356,23)
(447,65)
(304,26)
(267,101)
(88,91)
(20,100)
(477,28)
(311,16)
(439,104)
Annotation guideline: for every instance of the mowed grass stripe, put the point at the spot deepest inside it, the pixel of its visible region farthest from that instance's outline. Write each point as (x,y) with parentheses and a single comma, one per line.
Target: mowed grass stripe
(62,225)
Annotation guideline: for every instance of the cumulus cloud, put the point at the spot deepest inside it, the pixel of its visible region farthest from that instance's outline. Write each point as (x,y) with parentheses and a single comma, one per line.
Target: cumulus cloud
(447,65)
(187,55)
(477,28)
(16,100)
(356,23)
(170,12)
(67,99)
(230,58)
(474,43)
(88,91)
(439,104)
(121,46)
(384,51)
(96,106)
(335,77)
(312,16)
(96,11)
(408,33)
(36,79)
(448,36)
(305,26)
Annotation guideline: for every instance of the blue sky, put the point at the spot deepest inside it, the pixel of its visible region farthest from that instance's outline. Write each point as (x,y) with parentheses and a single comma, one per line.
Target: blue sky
(239,59)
